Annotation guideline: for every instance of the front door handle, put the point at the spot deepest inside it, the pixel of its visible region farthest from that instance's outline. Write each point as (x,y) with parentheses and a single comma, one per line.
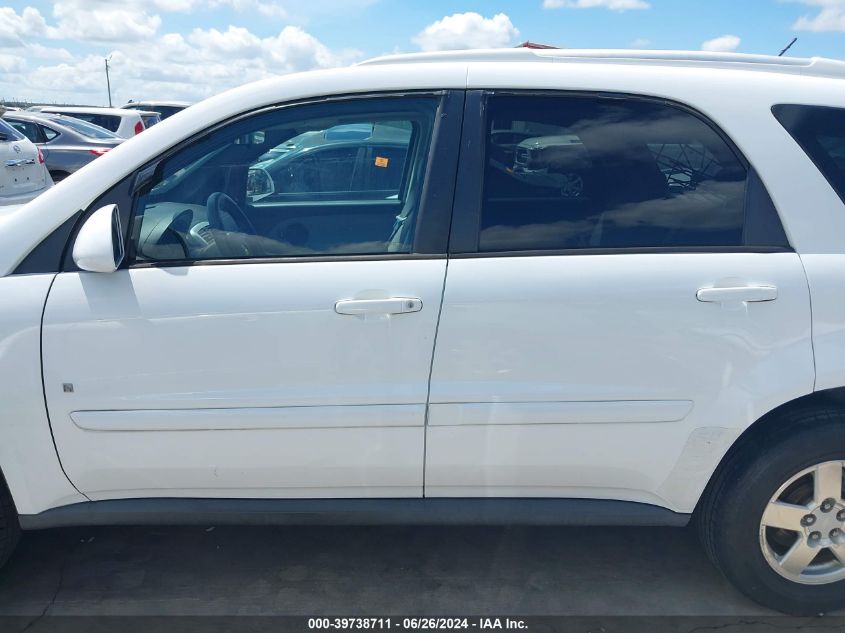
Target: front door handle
(737,294)
(393,305)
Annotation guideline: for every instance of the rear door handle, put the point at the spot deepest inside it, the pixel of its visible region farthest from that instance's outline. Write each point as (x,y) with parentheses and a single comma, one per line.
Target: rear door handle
(393,305)
(738,294)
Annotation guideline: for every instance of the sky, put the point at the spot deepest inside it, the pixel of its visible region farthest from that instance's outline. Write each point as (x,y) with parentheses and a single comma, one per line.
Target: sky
(54,50)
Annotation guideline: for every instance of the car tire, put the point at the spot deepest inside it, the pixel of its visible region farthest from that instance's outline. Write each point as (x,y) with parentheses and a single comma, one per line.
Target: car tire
(735,520)
(10,529)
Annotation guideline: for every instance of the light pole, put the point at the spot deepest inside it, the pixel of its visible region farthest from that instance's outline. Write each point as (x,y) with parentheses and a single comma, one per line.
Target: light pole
(108,83)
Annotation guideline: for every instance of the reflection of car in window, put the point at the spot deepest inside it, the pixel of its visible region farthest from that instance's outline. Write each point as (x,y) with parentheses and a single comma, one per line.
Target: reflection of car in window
(553,161)
(344,158)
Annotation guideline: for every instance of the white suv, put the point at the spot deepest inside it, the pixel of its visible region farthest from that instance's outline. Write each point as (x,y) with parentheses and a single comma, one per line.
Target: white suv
(124,123)
(395,322)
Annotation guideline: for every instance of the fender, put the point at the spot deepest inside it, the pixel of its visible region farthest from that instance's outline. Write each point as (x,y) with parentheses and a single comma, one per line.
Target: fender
(28,457)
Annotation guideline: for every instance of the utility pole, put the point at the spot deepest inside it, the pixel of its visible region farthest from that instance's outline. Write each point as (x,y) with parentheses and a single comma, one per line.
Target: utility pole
(788,46)
(108,83)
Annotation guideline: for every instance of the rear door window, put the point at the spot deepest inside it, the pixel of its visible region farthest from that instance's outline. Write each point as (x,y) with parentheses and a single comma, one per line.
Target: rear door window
(820,131)
(593,172)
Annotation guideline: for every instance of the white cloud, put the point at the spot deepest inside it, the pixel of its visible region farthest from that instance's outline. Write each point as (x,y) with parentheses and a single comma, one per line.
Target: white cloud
(613,5)
(174,66)
(467,30)
(268,9)
(831,16)
(641,42)
(15,27)
(93,20)
(12,63)
(722,44)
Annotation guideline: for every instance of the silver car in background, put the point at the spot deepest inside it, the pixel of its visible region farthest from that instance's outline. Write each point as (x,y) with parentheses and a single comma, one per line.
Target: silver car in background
(67,143)
(23,175)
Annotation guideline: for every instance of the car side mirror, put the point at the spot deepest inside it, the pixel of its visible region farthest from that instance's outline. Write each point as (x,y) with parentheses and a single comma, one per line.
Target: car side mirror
(99,243)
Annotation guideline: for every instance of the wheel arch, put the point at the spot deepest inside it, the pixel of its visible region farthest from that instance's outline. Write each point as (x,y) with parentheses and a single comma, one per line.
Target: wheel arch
(777,418)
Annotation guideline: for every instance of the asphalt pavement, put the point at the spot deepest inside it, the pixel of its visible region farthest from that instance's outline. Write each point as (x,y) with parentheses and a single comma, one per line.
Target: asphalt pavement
(365,571)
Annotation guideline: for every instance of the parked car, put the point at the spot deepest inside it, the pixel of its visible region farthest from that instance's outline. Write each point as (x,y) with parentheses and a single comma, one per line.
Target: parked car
(164,108)
(67,143)
(23,175)
(179,344)
(124,123)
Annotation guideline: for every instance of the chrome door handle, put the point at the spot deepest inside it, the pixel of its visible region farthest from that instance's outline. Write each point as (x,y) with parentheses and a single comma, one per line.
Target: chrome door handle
(739,294)
(393,305)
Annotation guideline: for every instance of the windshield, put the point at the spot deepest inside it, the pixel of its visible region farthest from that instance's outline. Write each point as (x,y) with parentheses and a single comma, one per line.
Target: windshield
(83,127)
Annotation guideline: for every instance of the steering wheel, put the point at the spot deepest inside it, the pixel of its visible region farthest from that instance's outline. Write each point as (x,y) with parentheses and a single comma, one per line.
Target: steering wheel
(231,240)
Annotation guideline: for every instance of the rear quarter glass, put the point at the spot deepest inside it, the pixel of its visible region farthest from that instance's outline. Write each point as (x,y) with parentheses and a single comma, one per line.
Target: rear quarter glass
(820,131)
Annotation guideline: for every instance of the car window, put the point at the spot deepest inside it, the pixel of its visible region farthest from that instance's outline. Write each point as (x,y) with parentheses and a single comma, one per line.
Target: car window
(598,172)
(109,122)
(820,131)
(10,132)
(150,120)
(85,128)
(329,179)
(27,128)
(49,133)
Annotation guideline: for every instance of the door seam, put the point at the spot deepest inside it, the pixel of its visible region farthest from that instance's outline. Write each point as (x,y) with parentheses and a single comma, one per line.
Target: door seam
(430,373)
(812,322)
(44,386)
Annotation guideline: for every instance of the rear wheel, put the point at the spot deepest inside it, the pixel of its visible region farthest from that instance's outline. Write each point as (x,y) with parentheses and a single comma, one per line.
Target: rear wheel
(9,527)
(774,519)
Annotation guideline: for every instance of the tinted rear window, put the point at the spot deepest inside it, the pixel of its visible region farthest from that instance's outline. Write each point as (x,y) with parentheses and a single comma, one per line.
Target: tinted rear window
(109,122)
(84,128)
(576,172)
(820,131)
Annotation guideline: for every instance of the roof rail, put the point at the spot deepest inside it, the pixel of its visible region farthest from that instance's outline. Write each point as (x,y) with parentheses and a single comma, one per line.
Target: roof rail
(815,66)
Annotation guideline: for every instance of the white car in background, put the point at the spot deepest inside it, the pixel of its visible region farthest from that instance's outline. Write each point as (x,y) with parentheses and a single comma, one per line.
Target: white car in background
(124,123)
(23,174)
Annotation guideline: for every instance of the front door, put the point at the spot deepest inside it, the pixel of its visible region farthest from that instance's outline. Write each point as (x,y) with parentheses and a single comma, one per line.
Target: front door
(272,330)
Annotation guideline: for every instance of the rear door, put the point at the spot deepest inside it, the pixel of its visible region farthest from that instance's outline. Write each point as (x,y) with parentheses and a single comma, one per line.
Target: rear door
(621,303)
(261,341)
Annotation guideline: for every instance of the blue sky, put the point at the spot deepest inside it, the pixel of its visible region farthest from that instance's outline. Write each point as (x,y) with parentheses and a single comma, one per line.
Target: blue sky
(53,50)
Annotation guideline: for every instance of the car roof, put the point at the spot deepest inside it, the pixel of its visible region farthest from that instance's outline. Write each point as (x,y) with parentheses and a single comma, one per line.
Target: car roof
(815,66)
(177,104)
(23,114)
(91,110)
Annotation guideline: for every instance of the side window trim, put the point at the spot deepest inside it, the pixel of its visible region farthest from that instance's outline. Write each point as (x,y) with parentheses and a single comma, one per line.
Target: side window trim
(464,236)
